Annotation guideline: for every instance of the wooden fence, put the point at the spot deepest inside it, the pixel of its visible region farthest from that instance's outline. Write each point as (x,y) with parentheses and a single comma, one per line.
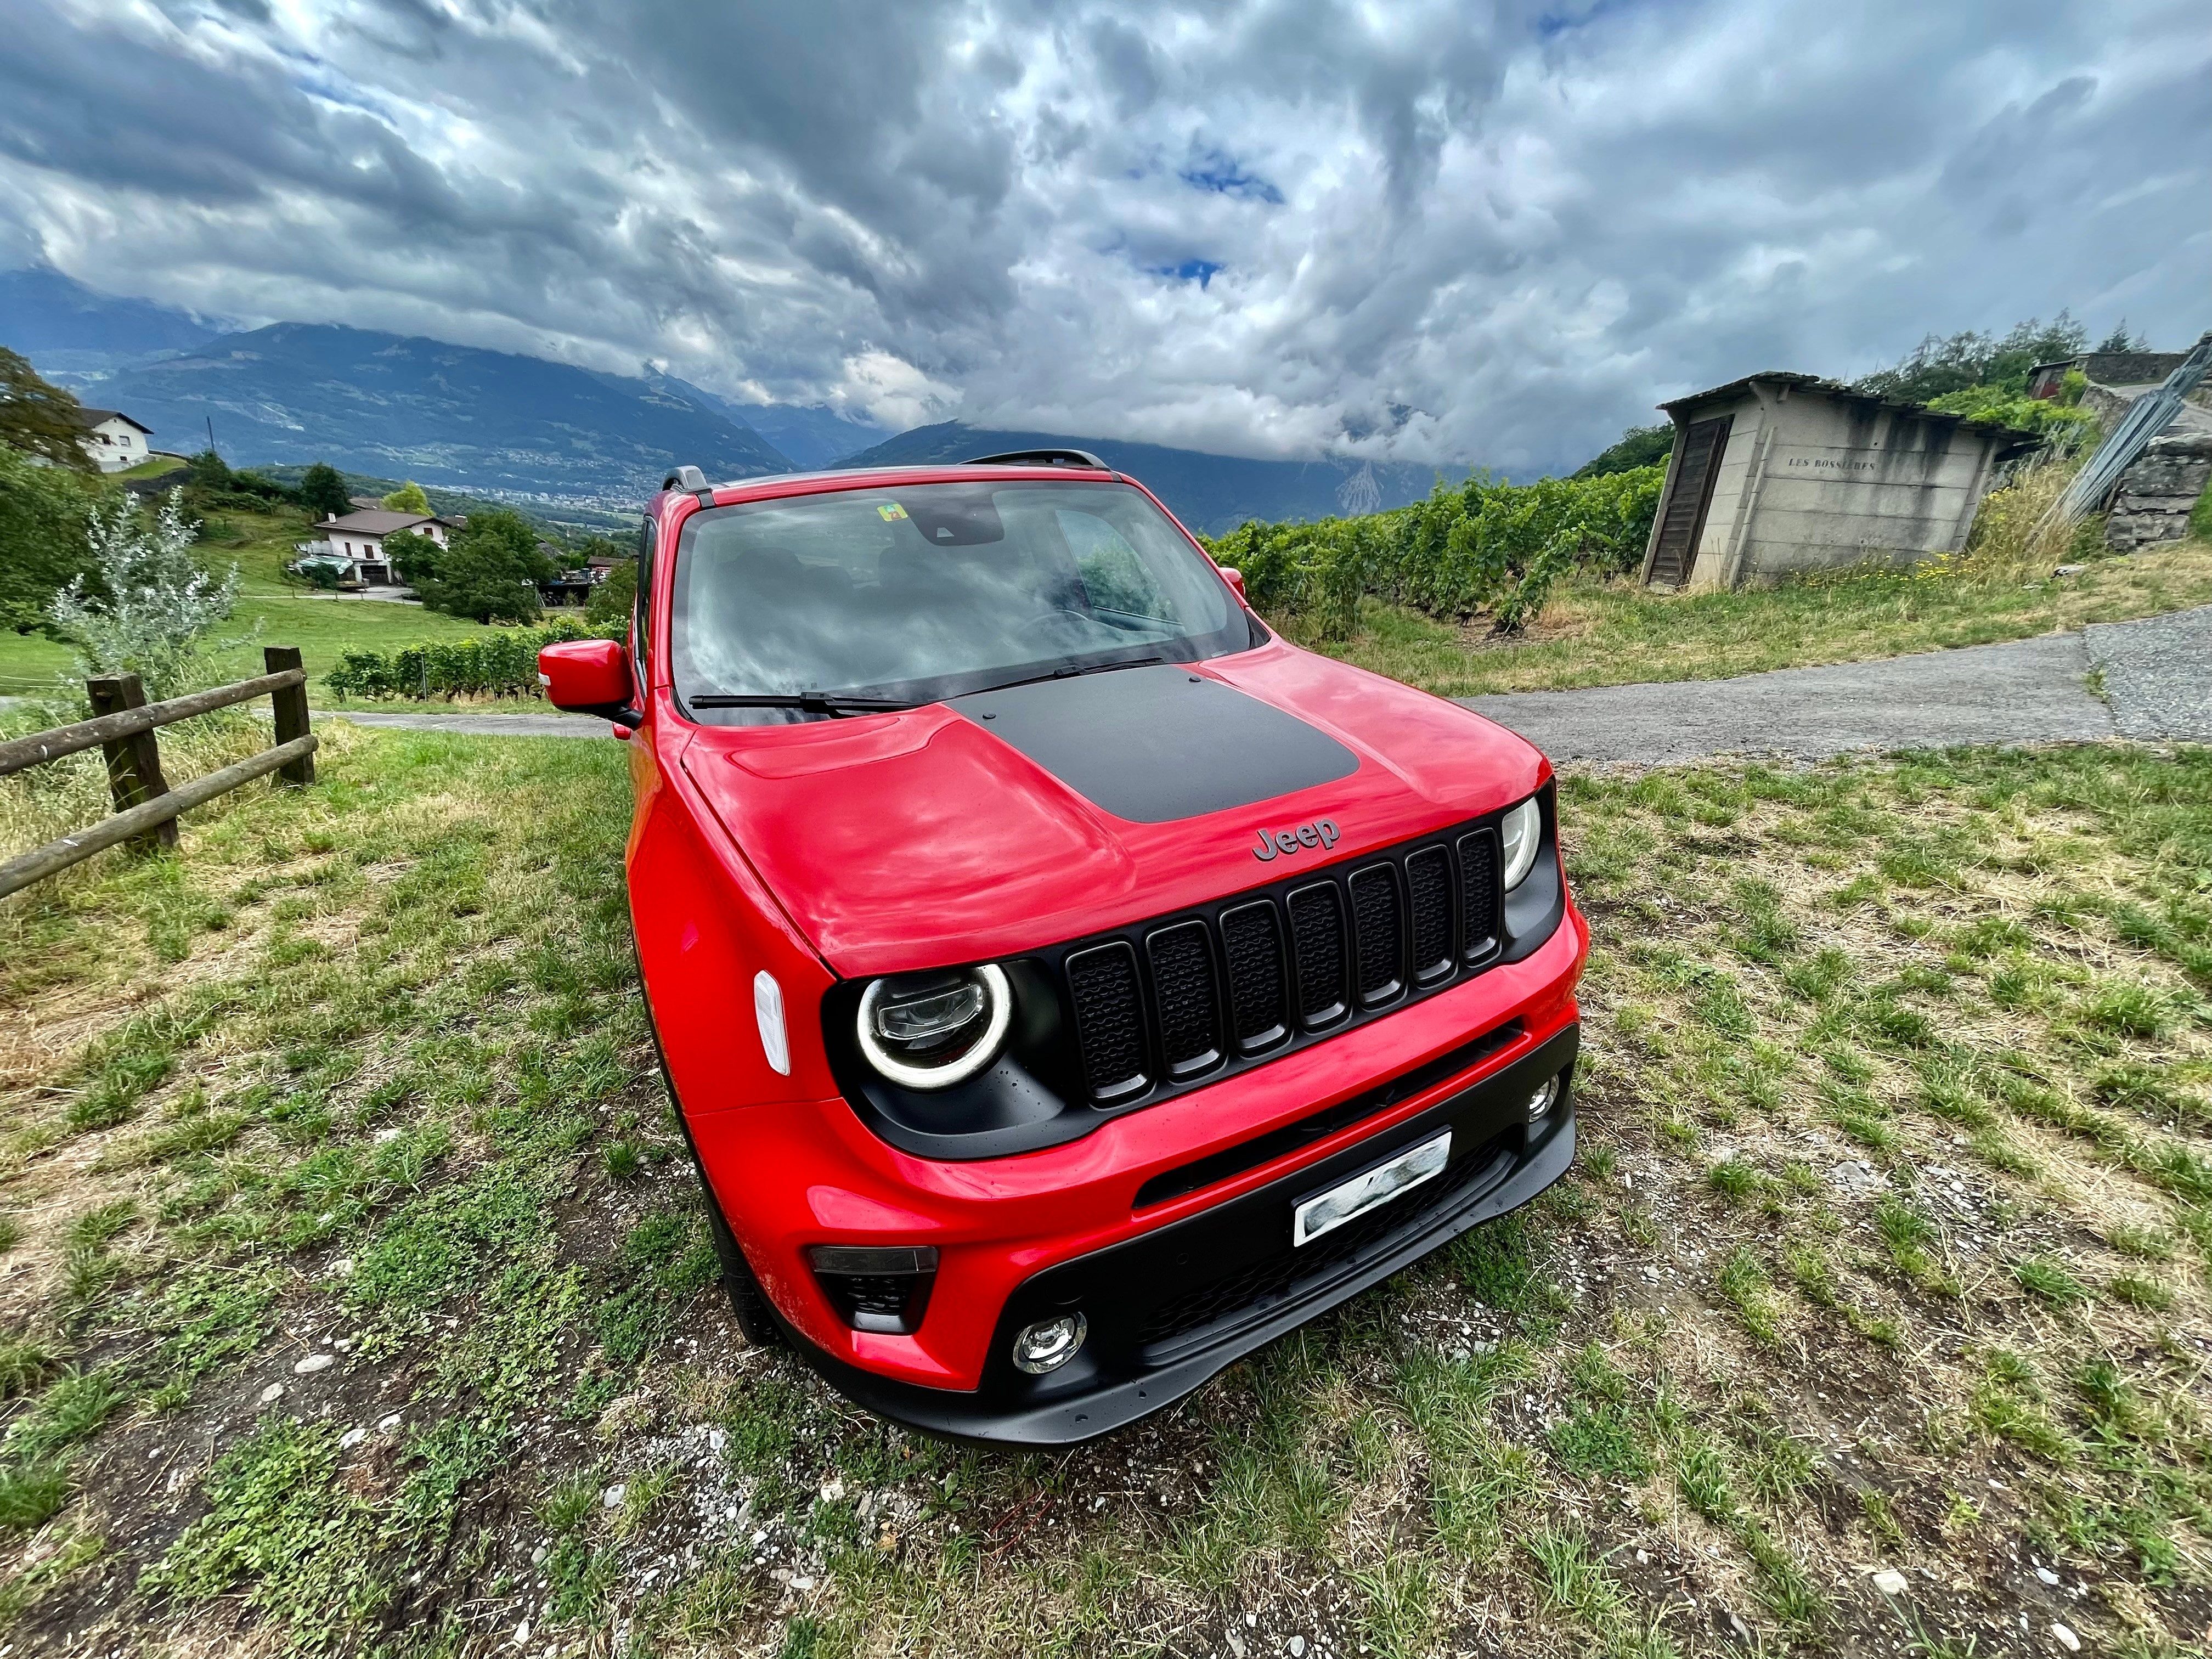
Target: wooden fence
(146,808)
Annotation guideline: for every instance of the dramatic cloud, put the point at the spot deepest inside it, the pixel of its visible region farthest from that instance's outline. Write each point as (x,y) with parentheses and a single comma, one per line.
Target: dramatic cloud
(1427,230)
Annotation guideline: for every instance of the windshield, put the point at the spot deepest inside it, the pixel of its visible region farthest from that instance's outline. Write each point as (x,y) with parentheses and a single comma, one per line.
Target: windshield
(909,595)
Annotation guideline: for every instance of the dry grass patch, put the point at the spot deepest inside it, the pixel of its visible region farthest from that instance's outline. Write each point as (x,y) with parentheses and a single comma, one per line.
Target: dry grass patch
(1610,631)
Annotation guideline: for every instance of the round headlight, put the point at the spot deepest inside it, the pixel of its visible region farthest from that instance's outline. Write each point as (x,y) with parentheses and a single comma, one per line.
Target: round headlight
(933,1031)
(1522,832)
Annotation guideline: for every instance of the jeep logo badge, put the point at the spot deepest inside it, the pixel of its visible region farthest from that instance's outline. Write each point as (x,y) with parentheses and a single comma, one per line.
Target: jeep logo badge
(1321,832)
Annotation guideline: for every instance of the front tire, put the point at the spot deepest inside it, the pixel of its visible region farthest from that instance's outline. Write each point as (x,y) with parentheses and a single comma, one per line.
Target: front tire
(755,1317)
(746,1300)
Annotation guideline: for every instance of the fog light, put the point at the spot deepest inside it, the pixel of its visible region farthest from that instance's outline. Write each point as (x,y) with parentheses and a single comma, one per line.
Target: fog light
(1049,1344)
(1540,1101)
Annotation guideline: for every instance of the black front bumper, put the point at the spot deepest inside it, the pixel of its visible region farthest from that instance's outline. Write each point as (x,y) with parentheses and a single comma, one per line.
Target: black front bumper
(1169,1307)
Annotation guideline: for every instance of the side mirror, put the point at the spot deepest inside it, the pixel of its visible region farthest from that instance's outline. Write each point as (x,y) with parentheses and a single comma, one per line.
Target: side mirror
(1234,577)
(588,676)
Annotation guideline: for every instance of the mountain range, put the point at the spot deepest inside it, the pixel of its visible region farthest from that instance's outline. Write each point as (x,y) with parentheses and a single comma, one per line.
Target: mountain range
(1209,493)
(550,435)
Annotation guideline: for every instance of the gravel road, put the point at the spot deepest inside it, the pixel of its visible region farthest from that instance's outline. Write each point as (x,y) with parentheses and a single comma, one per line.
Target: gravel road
(2157,680)
(2155,675)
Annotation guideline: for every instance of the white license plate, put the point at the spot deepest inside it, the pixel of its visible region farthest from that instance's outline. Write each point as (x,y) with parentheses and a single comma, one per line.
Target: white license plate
(1326,1211)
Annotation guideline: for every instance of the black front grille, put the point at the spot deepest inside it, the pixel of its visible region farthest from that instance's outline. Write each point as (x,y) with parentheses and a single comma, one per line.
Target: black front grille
(1317,936)
(1428,887)
(1252,945)
(1184,986)
(1379,927)
(1170,1003)
(1109,1020)
(1478,874)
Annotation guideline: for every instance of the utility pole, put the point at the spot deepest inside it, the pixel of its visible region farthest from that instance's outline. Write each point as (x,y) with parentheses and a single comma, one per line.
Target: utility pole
(210,420)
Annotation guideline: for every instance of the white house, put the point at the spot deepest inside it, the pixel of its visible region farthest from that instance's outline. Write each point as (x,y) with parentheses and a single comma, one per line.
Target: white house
(113,440)
(358,538)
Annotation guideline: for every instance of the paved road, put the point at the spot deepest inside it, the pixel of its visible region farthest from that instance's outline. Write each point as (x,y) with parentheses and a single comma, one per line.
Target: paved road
(488,726)
(2157,677)
(2157,682)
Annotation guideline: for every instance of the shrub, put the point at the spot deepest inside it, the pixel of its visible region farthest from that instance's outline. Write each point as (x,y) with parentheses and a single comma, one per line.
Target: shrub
(43,510)
(503,663)
(1480,546)
(154,601)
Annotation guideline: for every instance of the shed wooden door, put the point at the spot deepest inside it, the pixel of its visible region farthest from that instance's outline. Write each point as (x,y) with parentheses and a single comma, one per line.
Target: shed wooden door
(1682,520)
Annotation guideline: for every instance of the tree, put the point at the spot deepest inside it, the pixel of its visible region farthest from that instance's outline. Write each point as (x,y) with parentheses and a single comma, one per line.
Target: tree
(1937,365)
(408,498)
(40,419)
(613,599)
(491,570)
(155,601)
(324,492)
(1640,446)
(2118,340)
(414,557)
(210,470)
(42,536)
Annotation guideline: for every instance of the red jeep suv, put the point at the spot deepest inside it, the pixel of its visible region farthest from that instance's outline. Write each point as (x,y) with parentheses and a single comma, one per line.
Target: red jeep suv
(1066,985)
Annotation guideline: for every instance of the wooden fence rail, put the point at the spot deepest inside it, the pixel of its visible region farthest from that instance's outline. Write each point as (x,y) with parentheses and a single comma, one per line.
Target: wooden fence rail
(146,808)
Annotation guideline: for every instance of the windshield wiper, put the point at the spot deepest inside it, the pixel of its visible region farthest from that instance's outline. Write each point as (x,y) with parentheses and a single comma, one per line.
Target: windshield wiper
(1068,671)
(811,703)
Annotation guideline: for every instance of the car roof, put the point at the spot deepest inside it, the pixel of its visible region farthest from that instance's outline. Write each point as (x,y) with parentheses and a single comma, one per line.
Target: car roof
(824,483)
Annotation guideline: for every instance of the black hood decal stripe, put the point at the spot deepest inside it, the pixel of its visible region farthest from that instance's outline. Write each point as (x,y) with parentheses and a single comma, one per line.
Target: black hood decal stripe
(1157,744)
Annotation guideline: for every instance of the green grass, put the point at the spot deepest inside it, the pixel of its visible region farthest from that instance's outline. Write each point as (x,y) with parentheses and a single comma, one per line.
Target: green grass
(368,1068)
(272,610)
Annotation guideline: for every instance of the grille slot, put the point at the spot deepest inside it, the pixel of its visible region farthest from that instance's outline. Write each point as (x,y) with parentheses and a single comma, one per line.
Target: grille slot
(1379,926)
(1478,882)
(1109,1023)
(1317,941)
(1175,1002)
(1184,992)
(1428,888)
(1252,945)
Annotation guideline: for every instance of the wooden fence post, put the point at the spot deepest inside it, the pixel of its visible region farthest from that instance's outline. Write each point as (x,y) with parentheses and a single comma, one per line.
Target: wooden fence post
(134,763)
(290,706)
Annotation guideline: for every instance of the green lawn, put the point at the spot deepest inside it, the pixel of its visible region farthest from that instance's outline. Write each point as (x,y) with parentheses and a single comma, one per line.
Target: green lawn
(357,1294)
(284,612)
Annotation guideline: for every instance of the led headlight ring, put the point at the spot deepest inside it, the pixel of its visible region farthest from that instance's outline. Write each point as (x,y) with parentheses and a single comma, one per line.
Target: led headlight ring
(998,1001)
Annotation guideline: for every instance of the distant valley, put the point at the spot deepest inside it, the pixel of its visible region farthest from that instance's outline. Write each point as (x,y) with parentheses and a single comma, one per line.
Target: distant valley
(545,434)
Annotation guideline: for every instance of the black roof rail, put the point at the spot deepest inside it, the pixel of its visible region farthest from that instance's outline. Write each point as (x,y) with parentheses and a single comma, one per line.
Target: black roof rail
(1040,457)
(685,478)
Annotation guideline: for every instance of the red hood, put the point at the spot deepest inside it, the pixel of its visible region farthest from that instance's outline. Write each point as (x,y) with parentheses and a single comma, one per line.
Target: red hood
(912,840)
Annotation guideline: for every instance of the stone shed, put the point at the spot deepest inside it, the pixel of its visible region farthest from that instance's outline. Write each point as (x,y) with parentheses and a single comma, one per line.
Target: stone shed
(1779,473)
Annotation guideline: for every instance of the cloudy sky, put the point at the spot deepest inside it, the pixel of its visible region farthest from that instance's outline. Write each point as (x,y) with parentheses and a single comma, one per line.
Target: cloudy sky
(1491,233)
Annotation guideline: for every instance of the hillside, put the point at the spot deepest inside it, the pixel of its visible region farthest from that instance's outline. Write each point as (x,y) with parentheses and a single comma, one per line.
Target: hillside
(1209,493)
(76,334)
(487,421)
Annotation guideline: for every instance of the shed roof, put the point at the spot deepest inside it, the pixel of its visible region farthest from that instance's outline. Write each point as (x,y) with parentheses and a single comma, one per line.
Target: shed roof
(1827,388)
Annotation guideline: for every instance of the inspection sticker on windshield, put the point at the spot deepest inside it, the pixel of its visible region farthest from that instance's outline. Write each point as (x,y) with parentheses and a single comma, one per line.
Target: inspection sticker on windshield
(891,511)
(1363,1193)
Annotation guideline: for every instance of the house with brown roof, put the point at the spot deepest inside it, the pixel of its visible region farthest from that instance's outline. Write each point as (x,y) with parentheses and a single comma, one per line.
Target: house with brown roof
(358,538)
